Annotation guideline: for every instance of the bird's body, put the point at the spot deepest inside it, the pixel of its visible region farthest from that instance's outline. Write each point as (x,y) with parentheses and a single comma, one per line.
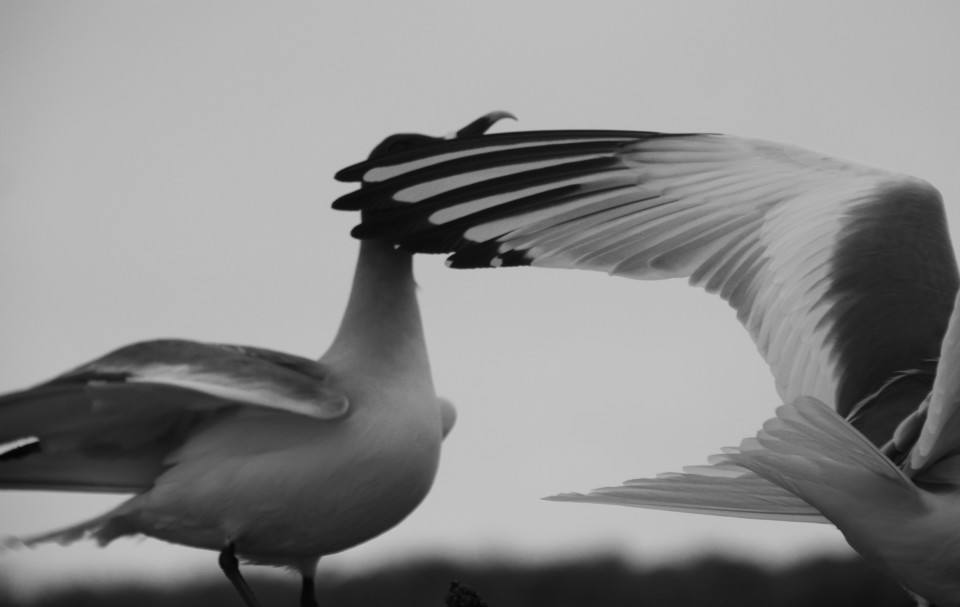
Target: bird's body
(843,274)
(270,457)
(335,485)
(278,458)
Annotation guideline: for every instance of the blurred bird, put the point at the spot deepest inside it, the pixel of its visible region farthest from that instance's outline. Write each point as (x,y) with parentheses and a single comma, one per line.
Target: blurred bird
(262,455)
(843,274)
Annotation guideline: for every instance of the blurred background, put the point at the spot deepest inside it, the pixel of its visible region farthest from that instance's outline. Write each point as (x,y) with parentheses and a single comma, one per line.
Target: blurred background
(166,171)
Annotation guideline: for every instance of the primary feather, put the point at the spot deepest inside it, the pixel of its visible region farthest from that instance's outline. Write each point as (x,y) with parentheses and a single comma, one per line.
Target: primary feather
(815,253)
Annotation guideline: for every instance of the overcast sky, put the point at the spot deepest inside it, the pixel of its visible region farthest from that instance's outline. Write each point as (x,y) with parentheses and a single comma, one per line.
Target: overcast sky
(166,171)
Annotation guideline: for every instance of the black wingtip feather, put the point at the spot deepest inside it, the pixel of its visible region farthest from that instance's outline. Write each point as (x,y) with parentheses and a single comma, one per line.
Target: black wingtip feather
(351,201)
(487,255)
(429,242)
(409,225)
(355,172)
(349,174)
(381,195)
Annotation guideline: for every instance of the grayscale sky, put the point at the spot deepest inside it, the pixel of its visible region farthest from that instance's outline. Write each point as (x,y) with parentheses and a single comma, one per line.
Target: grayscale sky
(166,171)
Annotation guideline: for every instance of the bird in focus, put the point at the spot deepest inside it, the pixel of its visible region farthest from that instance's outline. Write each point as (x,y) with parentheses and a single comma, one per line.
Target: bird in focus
(843,274)
(264,456)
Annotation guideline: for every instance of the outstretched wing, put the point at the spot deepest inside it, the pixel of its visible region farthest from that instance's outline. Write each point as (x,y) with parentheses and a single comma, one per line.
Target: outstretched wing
(109,424)
(843,274)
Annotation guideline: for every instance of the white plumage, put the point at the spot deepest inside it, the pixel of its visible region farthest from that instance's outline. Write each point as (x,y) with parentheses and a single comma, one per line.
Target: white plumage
(273,457)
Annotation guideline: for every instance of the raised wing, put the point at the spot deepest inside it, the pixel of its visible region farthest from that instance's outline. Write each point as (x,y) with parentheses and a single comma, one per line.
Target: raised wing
(109,424)
(843,274)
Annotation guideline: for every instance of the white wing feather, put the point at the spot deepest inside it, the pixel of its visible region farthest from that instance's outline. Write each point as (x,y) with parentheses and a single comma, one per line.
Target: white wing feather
(843,273)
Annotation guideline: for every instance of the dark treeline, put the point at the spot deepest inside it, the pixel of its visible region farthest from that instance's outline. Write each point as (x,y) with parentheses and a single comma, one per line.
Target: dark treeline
(599,582)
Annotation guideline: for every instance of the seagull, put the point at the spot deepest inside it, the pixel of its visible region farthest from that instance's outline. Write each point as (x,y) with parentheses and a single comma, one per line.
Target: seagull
(270,457)
(843,274)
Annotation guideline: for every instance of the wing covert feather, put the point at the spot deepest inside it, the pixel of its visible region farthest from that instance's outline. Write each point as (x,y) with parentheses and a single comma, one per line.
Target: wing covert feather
(109,425)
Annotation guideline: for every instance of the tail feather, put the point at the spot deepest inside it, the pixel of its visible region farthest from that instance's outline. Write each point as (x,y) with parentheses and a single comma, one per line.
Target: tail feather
(811,451)
(103,529)
(806,464)
(718,490)
(744,497)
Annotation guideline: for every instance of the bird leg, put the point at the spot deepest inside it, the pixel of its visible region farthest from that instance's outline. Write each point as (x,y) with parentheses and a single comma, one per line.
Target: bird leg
(308,597)
(231,567)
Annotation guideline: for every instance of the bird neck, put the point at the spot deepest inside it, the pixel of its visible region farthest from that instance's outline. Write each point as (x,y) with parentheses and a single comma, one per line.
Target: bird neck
(382,321)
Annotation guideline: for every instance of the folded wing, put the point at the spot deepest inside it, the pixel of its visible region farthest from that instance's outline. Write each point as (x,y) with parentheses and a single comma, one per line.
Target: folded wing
(109,424)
